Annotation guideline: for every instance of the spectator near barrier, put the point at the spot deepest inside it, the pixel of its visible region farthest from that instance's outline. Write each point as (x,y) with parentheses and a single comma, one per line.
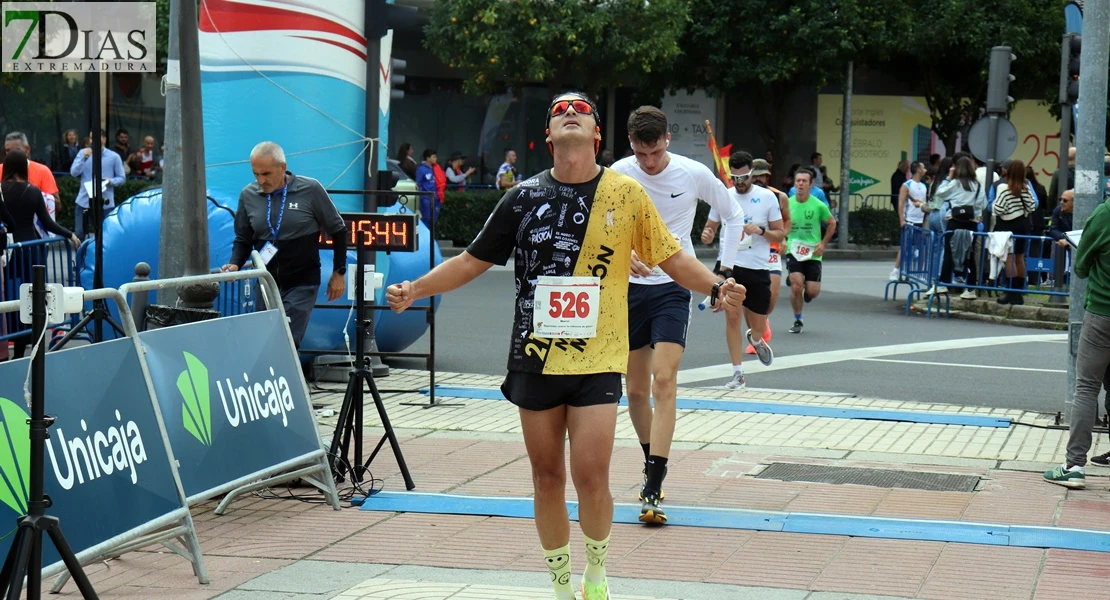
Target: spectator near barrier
(1012,208)
(287,235)
(911,207)
(966,200)
(1062,219)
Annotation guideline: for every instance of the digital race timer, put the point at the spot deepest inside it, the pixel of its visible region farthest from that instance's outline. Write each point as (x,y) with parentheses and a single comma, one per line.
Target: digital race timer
(376,231)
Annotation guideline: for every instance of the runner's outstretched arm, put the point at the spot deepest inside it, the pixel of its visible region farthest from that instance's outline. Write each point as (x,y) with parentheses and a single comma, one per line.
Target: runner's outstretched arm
(449,275)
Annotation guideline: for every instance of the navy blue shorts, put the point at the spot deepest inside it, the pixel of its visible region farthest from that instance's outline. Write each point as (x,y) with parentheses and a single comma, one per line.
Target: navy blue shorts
(537,391)
(657,313)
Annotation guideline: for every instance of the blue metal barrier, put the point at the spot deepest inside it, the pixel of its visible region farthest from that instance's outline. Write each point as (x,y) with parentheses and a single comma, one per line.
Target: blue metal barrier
(995,280)
(61,267)
(921,251)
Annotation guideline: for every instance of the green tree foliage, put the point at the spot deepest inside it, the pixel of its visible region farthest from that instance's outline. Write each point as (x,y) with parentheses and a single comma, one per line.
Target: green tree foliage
(585,43)
(946,52)
(765,50)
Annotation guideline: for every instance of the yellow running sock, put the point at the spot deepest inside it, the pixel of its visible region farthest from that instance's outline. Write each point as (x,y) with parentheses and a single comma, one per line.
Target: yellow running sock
(596,553)
(558,563)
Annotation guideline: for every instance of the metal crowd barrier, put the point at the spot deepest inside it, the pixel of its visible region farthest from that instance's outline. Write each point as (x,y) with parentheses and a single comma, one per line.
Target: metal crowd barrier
(1047,267)
(174,530)
(880,200)
(921,251)
(60,259)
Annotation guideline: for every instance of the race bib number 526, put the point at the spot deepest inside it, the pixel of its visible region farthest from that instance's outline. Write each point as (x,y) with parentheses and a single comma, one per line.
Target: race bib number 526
(566,307)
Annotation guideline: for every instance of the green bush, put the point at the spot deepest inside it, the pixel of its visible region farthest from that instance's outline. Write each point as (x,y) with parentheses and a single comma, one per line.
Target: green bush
(464,213)
(68,187)
(870,226)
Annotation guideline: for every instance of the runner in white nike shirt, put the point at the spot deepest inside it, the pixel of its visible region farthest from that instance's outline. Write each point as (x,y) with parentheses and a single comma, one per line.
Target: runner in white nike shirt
(658,308)
(761,174)
(763,226)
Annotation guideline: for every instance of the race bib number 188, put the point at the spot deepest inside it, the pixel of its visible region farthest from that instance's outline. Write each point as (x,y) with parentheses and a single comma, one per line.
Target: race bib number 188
(566,307)
(802,251)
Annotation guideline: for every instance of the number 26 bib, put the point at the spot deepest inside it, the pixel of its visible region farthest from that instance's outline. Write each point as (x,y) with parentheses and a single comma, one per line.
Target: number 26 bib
(566,307)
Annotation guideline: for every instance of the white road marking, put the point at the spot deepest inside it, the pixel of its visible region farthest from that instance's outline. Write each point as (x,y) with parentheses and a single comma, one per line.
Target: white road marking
(724,371)
(942,364)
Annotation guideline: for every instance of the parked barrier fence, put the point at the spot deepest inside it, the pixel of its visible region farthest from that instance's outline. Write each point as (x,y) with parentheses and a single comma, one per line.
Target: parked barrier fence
(60,259)
(232,418)
(923,253)
(261,431)
(880,200)
(112,474)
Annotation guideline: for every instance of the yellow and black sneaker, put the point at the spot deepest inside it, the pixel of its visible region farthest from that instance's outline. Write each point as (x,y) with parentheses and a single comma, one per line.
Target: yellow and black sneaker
(650,511)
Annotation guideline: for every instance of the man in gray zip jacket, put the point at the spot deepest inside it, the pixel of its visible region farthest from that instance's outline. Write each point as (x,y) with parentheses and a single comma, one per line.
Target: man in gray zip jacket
(281,215)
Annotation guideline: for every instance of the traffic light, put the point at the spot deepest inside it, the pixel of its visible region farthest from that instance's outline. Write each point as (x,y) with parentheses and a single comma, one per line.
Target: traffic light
(1073,45)
(396,78)
(998,80)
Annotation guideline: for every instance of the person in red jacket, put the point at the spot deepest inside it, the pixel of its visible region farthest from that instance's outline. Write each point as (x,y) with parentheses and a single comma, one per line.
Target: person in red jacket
(441,180)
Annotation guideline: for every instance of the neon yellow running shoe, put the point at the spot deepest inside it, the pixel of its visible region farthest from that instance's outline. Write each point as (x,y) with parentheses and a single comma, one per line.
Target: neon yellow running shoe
(595,592)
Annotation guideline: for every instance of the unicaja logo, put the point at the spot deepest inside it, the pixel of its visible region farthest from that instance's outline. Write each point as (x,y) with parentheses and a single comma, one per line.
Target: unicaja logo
(242,404)
(196,409)
(15,456)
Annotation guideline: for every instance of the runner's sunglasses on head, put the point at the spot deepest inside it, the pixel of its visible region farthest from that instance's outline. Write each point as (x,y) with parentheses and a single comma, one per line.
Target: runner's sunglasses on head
(741,178)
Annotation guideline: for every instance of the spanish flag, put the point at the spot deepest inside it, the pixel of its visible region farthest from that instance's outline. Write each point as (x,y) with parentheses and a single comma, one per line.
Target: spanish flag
(720,156)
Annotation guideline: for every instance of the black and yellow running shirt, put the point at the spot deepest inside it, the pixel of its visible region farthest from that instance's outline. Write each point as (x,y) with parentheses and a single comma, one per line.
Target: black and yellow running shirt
(581,230)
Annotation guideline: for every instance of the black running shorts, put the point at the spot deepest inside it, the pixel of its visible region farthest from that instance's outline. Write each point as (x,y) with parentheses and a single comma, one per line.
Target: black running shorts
(810,269)
(536,391)
(757,282)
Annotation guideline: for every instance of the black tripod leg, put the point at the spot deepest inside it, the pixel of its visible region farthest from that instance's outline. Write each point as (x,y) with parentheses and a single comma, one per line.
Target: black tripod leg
(409,485)
(18,556)
(72,333)
(10,560)
(341,438)
(71,562)
(34,568)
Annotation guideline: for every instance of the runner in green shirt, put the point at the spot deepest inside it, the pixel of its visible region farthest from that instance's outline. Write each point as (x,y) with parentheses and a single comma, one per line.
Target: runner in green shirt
(805,246)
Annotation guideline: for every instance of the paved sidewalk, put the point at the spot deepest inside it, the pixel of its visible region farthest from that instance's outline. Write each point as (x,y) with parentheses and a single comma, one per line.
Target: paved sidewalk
(269,548)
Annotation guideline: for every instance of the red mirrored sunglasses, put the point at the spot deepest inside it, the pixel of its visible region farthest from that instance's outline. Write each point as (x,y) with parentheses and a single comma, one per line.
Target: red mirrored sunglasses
(580,106)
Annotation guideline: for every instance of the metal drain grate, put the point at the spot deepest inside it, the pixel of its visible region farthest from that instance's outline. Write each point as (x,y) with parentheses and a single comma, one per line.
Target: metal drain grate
(914,480)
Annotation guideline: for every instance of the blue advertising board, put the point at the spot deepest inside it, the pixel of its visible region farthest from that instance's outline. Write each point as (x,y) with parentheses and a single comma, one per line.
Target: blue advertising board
(107,467)
(233,399)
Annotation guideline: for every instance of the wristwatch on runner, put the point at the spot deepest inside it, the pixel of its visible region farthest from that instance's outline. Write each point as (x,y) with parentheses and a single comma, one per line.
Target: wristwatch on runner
(713,295)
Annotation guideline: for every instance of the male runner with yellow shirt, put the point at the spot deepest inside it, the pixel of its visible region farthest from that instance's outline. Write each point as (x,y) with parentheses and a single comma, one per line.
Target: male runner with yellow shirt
(572,231)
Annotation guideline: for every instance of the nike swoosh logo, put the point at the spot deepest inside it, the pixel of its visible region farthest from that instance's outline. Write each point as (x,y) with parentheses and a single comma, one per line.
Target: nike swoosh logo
(677,195)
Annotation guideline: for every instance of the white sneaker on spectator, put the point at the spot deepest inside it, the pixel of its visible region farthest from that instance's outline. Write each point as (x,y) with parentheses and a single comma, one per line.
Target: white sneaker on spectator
(968,295)
(896,274)
(936,290)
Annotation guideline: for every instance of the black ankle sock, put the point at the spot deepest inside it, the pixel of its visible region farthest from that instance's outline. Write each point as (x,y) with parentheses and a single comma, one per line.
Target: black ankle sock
(656,471)
(647,451)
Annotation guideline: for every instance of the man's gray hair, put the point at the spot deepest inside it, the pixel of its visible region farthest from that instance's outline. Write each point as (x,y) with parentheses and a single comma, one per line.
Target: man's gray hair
(17,135)
(269,149)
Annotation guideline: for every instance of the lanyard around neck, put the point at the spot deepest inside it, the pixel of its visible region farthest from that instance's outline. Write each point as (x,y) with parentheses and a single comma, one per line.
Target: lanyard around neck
(281,212)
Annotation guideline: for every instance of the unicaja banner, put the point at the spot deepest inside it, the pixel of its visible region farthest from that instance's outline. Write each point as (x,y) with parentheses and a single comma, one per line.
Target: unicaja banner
(233,398)
(85,37)
(107,467)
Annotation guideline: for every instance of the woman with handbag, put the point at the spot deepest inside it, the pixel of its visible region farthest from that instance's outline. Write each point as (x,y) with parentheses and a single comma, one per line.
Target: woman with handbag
(966,201)
(1012,208)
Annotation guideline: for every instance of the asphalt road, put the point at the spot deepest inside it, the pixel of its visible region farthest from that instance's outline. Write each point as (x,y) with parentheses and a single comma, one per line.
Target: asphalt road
(853,343)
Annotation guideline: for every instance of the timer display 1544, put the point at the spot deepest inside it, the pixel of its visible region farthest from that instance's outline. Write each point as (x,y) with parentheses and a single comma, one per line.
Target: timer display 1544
(377,231)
